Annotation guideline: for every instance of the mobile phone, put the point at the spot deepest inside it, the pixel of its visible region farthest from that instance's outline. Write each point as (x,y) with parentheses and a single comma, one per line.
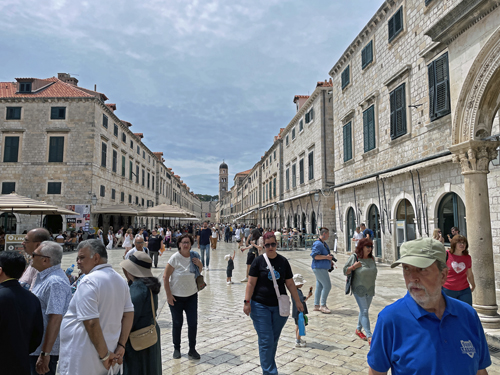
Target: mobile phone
(310,289)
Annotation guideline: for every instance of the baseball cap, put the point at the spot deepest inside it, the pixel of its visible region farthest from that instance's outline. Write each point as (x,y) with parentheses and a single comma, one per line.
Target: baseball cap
(421,253)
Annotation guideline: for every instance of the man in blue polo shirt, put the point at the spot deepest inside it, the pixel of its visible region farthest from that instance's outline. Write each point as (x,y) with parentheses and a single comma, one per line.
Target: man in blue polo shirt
(426,332)
(367,232)
(203,239)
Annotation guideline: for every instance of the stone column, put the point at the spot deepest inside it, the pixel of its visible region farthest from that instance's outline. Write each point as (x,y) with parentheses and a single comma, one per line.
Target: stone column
(474,158)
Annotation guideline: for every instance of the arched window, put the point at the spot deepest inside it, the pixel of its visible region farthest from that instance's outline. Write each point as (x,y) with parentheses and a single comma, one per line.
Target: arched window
(405,223)
(451,213)
(9,222)
(313,223)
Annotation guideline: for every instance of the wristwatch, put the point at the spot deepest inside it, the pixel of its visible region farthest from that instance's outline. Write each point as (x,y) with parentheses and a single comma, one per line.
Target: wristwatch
(43,354)
(245,301)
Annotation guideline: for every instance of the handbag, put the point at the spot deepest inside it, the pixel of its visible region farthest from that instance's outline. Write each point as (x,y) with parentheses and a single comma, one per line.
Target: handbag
(349,279)
(145,337)
(283,299)
(200,283)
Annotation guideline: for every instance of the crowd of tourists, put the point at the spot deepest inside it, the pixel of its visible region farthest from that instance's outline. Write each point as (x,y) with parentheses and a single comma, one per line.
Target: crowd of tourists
(101,323)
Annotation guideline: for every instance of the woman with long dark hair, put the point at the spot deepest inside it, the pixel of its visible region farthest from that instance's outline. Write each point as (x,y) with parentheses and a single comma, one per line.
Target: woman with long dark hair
(143,287)
(363,283)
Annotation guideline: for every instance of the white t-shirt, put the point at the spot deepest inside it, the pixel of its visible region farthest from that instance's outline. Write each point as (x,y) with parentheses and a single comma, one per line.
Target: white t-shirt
(238,233)
(214,233)
(358,236)
(133,250)
(102,294)
(182,281)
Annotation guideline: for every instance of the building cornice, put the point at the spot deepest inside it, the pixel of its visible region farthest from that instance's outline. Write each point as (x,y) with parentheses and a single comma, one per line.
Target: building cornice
(362,36)
(458,20)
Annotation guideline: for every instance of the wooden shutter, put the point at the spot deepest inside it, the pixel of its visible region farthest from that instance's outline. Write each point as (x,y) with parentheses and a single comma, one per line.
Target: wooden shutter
(398,112)
(345,77)
(395,24)
(104,149)
(365,131)
(311,165)
(442,86)
(432,89)
(307,118)
(311,114)
(56,149)
(367,55)
(11,151)
(370,128)
(347,142)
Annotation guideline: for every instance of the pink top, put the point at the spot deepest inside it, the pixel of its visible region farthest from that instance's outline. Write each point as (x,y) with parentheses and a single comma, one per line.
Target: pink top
(457,271)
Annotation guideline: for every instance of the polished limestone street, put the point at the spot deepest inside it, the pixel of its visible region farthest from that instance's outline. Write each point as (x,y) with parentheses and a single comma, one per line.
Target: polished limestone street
(227,341)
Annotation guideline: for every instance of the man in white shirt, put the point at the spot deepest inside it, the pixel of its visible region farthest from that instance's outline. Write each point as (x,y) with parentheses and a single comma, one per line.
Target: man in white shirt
(99,318)
(139,246)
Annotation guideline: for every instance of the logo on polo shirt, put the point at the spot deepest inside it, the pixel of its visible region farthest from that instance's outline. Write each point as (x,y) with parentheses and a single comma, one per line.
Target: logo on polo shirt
(468,348)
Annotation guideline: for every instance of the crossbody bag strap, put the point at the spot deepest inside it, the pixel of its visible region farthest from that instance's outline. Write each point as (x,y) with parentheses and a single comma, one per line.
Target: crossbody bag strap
(271,269)
(152,306)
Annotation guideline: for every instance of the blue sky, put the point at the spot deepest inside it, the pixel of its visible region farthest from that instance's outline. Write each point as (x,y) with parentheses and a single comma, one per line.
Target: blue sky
(203,80)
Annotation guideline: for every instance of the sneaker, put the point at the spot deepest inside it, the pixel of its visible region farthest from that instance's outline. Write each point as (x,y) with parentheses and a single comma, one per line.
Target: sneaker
(244,280)
(300,344)
(316,308)
(177,354)
(229,283)
(361,335)
(324,310)
(193,354)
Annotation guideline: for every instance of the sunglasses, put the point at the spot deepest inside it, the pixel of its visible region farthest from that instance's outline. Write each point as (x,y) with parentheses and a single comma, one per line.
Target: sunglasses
(268,245)
(39,255)
(369,247)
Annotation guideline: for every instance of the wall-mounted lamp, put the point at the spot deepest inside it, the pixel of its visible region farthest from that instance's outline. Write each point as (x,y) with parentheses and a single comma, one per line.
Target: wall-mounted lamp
(93,199)
(316,197)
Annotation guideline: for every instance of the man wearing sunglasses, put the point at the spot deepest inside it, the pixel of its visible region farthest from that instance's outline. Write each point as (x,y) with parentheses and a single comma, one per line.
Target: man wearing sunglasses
(32,240)
(54,292)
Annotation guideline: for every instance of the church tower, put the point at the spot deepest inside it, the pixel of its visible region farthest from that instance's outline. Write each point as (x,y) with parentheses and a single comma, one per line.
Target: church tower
(223,180)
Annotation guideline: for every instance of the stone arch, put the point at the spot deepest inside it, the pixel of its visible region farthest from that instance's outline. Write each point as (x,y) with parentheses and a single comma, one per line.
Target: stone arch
(479,98)
(440,193)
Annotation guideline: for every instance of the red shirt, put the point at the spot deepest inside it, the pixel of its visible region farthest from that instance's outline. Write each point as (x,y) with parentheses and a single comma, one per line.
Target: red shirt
(457,271)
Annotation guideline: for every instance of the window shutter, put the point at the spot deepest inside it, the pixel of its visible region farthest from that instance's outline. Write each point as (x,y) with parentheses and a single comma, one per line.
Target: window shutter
(390,26)
(54,112)
(432,88)
(365,131)
(398,20)
(369,52)
(393,114)
(311,116)
(442,106)
(371,127)
(347,142)
(400,116)
(11,150)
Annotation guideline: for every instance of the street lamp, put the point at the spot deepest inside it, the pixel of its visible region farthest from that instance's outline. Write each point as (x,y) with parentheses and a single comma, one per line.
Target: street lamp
(316,197)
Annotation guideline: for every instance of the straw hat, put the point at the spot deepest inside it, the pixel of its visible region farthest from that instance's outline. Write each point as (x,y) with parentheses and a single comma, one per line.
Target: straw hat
(138,265)
(298,279)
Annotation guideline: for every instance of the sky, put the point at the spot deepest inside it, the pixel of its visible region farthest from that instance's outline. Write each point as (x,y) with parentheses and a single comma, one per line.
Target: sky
(205,81)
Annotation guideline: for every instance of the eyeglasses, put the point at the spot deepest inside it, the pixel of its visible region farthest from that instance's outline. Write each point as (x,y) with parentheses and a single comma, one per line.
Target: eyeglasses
(39,255)
(139,243)
(268,245)
(369,247)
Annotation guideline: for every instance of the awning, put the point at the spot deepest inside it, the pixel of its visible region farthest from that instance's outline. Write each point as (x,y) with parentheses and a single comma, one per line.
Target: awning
(357,183)
(118,209)
(299,196)
(242,216)
(165,210)
(426,164)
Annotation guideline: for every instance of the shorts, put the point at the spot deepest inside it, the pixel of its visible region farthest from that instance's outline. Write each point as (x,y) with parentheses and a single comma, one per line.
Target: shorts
(250,258)
(238,240)
(229,273)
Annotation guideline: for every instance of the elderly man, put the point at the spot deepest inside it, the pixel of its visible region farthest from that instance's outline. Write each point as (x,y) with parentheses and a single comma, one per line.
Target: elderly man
(21,322)
(32,240)
(54,292)
(139,246)
(427,332)
(96,327)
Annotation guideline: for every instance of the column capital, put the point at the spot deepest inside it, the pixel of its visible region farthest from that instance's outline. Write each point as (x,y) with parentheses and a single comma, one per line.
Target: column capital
(475,156)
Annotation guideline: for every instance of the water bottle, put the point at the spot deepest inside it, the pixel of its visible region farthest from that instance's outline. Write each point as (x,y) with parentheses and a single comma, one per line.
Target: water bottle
(69,271)
(25,285)
(302,325)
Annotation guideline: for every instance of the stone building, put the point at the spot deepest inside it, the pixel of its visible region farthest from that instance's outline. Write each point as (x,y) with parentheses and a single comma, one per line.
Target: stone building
(64,144)
(416,94)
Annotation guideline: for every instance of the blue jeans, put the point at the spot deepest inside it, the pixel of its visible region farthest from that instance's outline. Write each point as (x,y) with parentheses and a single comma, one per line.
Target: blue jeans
(204,248)
(323,286)
(268,323)
(364,303)
(462,295)
(52,364)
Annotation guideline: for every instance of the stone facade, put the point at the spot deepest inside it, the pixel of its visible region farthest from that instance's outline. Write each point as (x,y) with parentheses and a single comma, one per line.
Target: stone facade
(97,153)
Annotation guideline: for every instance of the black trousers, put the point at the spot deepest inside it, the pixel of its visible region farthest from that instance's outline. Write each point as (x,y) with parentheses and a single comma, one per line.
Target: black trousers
(154,257)
(190,306)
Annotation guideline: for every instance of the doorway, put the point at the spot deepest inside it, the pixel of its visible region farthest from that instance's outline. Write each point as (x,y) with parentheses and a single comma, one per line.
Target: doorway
(374,225)
(351,227)
(451,213)
(405,224)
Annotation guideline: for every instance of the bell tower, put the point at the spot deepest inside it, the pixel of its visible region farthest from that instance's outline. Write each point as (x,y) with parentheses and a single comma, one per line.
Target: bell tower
(223,180)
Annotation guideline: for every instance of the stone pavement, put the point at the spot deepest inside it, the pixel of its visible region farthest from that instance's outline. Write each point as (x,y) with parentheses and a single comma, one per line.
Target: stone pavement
(227,340)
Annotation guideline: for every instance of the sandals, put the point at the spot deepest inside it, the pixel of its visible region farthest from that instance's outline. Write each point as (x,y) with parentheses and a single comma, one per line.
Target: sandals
(361,335)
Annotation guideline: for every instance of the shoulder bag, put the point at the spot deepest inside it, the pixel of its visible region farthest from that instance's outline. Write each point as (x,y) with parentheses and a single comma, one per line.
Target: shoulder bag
(283,299)
(145,337)
(349,279)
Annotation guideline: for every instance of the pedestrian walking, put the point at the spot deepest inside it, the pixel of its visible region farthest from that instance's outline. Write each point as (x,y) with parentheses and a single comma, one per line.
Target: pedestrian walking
(213,238)
(299,282)
(322,261)
(144,289)
(154,246)
(179,280)
(203,239)
(254,249)
(139,246)
(230,267)
(427,332)
(438,235)
(364,270)
(261,301)
(460,274)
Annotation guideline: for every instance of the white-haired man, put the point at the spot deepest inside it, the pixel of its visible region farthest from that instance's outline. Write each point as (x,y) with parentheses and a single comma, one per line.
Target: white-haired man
(96,327)
(52,288)
(139,246)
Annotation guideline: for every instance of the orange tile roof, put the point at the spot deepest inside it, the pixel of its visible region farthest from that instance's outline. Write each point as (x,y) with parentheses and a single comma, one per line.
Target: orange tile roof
(296,97)
(111,106)
(325,84)
(53,88)
(139,135)
(244,172)
(127,123)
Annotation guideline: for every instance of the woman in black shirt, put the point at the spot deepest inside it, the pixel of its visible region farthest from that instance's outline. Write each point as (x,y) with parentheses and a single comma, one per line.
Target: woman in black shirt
(261,302)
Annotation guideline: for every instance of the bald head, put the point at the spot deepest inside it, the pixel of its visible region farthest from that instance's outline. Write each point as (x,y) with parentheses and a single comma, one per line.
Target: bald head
(40,234)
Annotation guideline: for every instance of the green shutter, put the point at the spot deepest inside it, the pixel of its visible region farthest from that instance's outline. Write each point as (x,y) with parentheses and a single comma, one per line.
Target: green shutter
(432,89)
(398,112)
(347,141)
(442,88)
(56,149)
(11,151)
(369,128)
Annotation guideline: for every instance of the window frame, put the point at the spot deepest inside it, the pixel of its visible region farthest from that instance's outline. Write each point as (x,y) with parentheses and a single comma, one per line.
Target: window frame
(347,140)
(400,90)
(310,158)
(114,164)
(345,77)
(5,187)
(115,130)
(104,154)
(287,178)
(54,186)
(301,171)
(294,175)
(369,144)
(439,88)
(59,157)
(12,111)
(367,58)
(102,191)
(57,116)
(395,32)
(10,154)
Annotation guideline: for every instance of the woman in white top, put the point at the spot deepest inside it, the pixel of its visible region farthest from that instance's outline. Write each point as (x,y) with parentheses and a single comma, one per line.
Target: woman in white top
(182,293)
(110,240)
(213,239)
